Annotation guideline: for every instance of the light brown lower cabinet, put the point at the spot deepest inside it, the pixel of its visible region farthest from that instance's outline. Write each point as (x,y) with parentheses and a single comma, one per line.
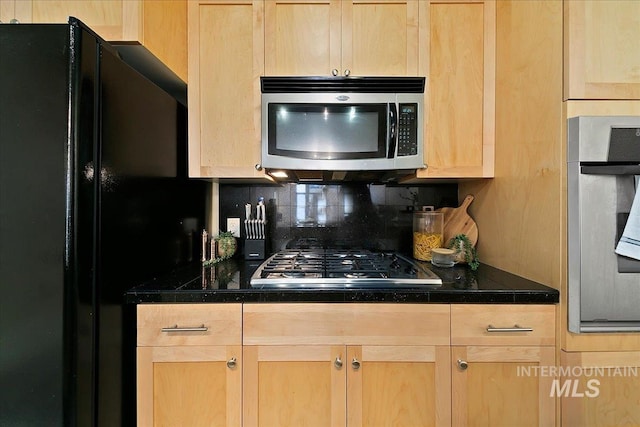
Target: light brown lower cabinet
(346,365)
(318,385)
(501,357)
(189,365)
(600,388)
(264,365)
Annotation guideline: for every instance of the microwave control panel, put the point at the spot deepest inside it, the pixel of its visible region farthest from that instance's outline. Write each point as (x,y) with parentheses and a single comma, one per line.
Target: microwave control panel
(408,130)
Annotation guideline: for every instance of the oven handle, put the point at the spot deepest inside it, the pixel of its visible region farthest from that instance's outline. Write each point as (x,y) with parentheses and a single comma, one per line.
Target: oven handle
(393,124)
(610,169)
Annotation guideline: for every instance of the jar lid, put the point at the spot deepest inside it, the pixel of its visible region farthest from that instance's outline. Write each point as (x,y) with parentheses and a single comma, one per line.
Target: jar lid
(443,251)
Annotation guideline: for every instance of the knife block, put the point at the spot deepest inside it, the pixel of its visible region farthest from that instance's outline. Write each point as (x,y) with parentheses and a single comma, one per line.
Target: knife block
(254,248)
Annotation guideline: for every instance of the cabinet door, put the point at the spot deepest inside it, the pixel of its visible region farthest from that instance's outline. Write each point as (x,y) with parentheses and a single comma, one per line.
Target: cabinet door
(190,386)
(398,385)
(502,386)
(459,121)
(380,38)
(350,37)
(112,20)
(160,25)
(294,385)
(602,49)
(164,33)
(226,59)
(302,37)
(600,389)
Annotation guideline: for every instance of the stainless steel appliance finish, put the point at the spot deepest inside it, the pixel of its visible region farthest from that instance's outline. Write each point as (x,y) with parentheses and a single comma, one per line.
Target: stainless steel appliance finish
(341,268)
(342,124)
(603,167)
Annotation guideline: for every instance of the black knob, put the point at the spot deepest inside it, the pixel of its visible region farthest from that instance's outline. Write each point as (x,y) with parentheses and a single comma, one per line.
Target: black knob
(395,265)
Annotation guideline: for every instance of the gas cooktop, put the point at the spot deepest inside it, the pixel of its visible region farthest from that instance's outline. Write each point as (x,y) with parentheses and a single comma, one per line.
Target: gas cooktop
(340,268)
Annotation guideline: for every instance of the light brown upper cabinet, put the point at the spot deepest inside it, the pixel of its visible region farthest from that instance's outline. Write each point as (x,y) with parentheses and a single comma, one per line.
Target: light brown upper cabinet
(602,49)
(460,39)
(160,25)
(342,37)
(226,60)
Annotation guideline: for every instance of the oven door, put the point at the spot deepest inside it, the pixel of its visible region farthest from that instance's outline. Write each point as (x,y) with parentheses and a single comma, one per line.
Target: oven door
(312,131)
(319,132)
(602,180)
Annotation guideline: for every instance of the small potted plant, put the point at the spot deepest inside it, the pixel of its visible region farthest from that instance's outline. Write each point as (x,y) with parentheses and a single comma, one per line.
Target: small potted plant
(226,244)
(466,252)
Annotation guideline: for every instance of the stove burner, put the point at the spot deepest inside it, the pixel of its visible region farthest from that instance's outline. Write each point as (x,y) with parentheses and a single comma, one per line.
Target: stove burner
(294,273)
(356,274)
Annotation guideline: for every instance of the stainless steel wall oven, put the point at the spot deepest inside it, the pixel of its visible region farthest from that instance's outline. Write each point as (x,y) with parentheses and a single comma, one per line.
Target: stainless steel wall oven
(603,171)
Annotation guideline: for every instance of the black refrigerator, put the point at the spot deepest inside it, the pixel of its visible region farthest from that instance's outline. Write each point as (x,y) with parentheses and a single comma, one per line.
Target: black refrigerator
(94,199)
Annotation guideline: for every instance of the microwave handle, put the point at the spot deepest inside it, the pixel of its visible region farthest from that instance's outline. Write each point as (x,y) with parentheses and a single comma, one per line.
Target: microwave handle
(393,125)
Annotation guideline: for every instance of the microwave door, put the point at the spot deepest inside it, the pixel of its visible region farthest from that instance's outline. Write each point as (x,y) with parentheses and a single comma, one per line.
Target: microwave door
(393,126)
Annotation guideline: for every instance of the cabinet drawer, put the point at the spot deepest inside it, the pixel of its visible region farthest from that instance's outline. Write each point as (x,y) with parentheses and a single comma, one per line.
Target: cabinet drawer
(344,324)
(493,324)
(189,324)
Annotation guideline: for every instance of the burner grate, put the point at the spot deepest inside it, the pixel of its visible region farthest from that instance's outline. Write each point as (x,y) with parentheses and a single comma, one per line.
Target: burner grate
(340,268)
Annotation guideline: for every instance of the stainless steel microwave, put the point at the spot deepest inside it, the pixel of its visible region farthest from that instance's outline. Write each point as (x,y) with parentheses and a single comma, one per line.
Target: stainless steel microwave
(342,123)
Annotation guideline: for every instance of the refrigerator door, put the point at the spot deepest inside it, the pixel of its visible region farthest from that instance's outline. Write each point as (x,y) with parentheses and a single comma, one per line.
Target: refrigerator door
(34,64)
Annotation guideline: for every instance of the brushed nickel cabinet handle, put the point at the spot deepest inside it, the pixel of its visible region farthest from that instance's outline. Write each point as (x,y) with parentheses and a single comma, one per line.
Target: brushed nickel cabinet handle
(462,364)
(347,73)
(355,363)
(338,362)
(515,328)
(231,363)
(334,72)
(175,328)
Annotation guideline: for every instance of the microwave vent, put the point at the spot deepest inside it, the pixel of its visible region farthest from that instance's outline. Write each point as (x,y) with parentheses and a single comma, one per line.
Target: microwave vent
(342,84)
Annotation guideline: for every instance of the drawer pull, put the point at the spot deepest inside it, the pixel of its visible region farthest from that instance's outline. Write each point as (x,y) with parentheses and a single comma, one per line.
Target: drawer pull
(175,328)
(515,328)
(338,362)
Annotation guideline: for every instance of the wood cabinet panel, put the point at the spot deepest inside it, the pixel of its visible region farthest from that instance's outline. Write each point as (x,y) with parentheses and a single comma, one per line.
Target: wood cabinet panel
(470,324)
(602,49)
(606,390)
(352,37)
(293,385)
(189,386)
(460,118)
(226,60)
(160,25)
(222,321)
(302,37)
(111,19)
(164,33)
(380,38)
(335,324)
(491,388)
(398,385)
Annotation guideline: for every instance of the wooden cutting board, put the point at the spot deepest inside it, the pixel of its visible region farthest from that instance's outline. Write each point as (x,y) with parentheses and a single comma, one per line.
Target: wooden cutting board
(458,221)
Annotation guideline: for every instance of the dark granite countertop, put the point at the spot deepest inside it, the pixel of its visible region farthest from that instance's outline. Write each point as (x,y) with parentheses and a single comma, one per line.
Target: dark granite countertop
(228,281)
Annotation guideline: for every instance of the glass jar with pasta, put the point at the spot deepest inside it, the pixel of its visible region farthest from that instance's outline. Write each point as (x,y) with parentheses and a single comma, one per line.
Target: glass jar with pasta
(427,232)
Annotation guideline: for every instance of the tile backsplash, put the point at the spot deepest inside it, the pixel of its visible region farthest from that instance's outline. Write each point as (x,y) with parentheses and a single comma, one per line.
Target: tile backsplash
(353,214)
